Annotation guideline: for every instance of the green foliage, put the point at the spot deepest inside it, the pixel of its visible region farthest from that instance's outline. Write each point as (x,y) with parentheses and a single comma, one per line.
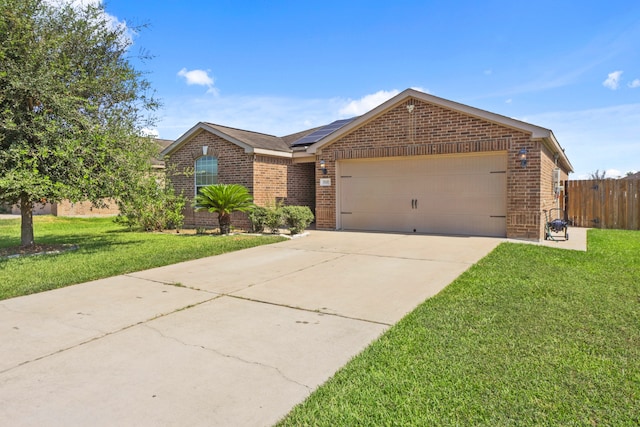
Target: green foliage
(258,218)
(151,206)
(104,249)
(72,106)
(297,218)
(224,199)
(529,336)
(274,219)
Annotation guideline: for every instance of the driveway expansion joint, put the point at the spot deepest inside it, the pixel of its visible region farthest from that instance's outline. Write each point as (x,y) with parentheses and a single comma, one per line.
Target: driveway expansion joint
(103,334)
(229,356)
(307,310)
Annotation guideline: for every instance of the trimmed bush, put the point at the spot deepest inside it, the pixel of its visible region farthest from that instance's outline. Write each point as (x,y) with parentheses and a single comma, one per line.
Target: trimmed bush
(274,219)
(297,218)
(258,217)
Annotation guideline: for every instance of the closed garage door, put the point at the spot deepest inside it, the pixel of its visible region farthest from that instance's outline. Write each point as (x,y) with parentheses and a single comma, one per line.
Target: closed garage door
(458,194)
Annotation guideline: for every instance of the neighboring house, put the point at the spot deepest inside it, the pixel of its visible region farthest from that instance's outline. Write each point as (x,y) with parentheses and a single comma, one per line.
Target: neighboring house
(633,176)
(68,208)
(416,163)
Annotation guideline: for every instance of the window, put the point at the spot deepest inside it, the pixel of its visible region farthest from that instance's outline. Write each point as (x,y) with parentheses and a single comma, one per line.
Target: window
(206,172)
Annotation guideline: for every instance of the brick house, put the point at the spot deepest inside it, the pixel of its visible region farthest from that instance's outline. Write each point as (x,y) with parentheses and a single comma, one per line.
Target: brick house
(416,163)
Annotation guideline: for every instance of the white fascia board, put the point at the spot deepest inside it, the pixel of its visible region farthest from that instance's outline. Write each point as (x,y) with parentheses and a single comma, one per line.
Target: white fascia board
(197,129)
(313,148)
(272,153)
(183,138)
(303,157)
(552,143)
(536,131)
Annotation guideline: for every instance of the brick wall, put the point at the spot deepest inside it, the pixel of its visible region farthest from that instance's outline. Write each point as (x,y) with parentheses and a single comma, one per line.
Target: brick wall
(269,179)
(38,209)
(282,180)
(432,130)
(301,187)
(523,190)
(549,198)
(67,208)
(234,167)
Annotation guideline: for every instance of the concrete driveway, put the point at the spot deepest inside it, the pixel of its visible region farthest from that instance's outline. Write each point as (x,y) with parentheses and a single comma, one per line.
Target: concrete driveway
(232,340)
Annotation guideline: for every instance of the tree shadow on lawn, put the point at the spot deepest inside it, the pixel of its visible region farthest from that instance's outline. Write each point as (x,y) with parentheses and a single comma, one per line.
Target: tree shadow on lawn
(60,244)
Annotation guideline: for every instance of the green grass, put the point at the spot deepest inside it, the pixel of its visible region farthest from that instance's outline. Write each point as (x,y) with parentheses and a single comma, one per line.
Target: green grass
(104,249)
(529,336)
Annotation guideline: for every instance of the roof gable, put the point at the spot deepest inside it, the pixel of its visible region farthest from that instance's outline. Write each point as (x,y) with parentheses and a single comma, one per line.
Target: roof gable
(251,142)
(306,143)
(536,132)
(633,176)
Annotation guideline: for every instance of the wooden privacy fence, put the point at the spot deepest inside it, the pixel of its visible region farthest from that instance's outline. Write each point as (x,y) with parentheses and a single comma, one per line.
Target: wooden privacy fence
(604,203)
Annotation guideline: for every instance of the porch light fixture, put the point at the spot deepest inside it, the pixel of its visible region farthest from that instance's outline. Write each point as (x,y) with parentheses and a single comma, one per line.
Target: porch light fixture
(523,157)
(323,167)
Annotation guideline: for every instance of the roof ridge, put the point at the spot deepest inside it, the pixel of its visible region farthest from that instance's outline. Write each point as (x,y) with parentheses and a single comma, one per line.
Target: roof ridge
(242,130)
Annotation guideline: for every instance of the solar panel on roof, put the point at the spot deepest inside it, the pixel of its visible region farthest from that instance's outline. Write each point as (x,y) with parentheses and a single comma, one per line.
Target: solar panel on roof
(317,135)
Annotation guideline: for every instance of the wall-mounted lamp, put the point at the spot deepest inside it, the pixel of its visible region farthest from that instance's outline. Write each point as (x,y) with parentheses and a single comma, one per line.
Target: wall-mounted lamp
(523,157)
(323,167)
(205,149)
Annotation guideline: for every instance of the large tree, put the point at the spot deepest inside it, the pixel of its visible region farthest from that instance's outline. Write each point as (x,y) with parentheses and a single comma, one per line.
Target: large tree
(72,106)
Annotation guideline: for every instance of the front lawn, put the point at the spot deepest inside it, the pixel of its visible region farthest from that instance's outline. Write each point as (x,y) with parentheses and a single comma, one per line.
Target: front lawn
(530,336)
(104,249)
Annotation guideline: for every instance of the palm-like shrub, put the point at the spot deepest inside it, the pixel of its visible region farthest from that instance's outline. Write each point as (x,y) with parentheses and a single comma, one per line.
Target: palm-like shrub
(224,199)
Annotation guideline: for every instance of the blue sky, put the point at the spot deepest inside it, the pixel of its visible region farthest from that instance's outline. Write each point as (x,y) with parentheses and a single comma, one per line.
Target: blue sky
(279,67)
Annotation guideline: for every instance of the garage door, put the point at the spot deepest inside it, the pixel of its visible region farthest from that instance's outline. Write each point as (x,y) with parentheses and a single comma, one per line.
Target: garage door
(461,194)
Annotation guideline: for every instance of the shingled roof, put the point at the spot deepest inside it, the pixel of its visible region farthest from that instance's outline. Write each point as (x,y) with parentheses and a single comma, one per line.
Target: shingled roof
(251,141)
(157,162)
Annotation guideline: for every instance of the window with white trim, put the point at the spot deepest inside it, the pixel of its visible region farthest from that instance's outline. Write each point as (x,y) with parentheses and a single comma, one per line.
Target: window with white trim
(206,172)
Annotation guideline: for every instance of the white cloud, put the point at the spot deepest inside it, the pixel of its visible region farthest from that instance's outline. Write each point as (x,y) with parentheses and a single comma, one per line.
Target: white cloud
(613,173)
(602,139)
(508,101)
(367,103)
(634,84)
(75,3)
(112,21)
(272,115)
(597,139)
(613,80)
(198,77)
(150,132)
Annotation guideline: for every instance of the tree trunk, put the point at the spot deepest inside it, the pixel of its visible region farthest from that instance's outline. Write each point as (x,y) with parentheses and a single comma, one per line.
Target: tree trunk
(224,220)
(26,229)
